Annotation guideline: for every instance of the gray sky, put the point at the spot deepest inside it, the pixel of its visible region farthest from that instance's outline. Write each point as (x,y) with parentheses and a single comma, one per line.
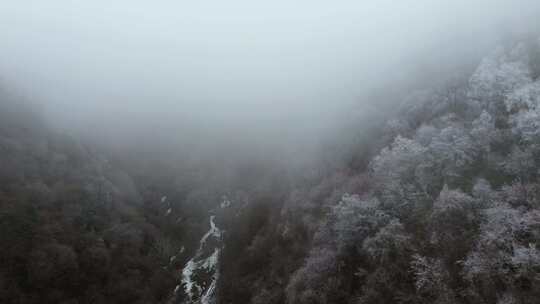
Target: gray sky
(125,68)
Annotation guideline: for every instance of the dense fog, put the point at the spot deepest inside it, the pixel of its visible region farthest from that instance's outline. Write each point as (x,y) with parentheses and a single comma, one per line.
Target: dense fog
(182,72)
(289,152)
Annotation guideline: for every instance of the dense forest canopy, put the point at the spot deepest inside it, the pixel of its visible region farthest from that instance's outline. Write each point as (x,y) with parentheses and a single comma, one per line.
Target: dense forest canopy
(405,179)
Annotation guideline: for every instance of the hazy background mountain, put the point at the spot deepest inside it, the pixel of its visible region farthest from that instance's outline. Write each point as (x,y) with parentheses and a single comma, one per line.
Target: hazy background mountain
(309,152)
(264,77)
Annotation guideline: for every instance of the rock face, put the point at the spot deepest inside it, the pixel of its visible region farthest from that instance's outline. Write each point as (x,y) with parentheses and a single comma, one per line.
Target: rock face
(200,274)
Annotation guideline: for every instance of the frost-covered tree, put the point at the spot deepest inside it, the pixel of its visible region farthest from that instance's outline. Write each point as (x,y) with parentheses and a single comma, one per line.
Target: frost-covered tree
(524,97)
(356,218)
(388,243)
(425,134)
(520,164)
(504,255)
(398,162)
(452,224)
(498,75)
(385,270)
(394,170)
(450,155)
(431,280)
(315,281)
(527,126)
(483,131)
(482,191)
(521,195)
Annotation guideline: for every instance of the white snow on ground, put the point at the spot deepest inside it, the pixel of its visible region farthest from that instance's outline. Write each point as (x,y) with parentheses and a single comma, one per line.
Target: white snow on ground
(209,294)
(225,203)
(211,261)
(209,264)
(186,278)
(214,231)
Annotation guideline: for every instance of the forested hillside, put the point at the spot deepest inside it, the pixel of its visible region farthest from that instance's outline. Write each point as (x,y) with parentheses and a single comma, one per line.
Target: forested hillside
(435,202)
(447,211)
(72,226)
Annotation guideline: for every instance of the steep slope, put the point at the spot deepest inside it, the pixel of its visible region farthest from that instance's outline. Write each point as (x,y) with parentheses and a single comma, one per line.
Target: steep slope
(441,205)
(72,230)
(446,212)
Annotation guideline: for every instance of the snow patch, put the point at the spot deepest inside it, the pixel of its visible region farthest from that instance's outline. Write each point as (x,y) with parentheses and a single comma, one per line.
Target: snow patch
(214,231)
(202,260)
(225,203)
(186,278)
(211,262)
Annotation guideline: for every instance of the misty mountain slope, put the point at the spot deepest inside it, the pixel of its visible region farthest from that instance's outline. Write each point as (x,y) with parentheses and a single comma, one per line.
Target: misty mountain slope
(277,152)
(432,200)
(200,274)
(447,211)
(71,224)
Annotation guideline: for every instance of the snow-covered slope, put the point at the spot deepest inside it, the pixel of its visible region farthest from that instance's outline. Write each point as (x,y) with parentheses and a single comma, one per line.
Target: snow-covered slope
(200,274)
